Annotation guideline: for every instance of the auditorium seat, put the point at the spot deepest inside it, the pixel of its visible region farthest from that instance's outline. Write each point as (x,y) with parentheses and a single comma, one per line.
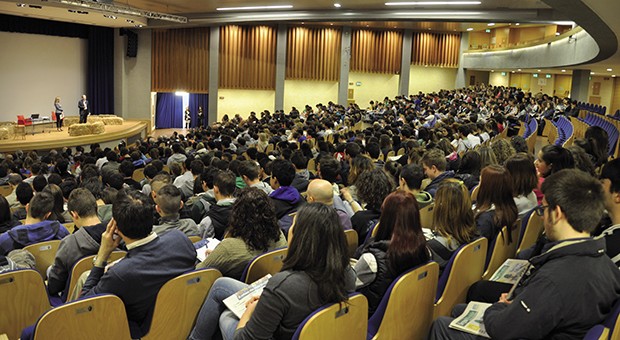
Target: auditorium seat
(98,317)
(502,250)
(463,269)
(178,303)
(267,263)
(24,299)
(531,228)
(44,254)
(351,236)
(609,329)
(336,321)
(83,265)
(406,309)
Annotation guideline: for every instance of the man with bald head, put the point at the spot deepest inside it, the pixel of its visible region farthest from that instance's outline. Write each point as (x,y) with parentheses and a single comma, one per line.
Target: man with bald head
(321,191)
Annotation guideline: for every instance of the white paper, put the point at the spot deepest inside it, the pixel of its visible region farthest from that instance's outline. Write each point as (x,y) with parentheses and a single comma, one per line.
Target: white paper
(236,302)
(510,271)
(201,253)
(471,319)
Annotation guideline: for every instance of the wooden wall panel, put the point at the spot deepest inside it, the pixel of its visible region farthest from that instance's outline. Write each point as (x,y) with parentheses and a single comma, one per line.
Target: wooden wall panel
(436,49)
(180,60)
(247,57)
(615,99)
(376,51)
(313,53)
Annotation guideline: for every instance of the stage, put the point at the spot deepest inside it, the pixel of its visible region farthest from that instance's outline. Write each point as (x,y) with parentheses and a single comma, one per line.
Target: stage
(57,139)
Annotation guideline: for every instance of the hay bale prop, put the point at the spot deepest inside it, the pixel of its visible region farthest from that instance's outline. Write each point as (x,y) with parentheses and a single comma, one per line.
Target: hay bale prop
(4,133)
(71,120)
(97,128)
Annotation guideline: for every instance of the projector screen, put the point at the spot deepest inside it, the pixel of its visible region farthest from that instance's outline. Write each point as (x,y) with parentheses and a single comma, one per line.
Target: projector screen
(34,69)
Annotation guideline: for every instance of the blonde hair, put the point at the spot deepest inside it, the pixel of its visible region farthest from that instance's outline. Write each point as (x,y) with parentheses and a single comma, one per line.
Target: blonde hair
(453,217)
(56,100)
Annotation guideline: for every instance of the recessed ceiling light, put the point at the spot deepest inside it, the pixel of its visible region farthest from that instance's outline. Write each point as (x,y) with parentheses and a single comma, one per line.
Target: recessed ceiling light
(517,24)
(591,73)
(557,33)
(491,24)
(492,70)
(331,24)
(613,76)
(337,5)
(470,29)
(429,28)
(21,5)
(563,70)
(609,70)
(519,69)
(433,3)
(512,72)
(538,70)
(247,8)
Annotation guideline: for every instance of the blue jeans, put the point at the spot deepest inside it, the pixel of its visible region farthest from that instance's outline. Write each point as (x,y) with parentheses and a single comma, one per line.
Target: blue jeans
(214,313)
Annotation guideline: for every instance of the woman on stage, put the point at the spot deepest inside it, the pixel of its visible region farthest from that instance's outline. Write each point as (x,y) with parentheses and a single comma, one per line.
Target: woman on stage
(59,114)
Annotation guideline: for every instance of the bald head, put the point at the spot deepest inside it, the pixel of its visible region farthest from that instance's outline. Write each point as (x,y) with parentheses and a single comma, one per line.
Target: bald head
(320,190)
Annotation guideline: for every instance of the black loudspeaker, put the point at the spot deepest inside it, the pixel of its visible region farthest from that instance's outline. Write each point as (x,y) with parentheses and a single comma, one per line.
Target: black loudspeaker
(132,44)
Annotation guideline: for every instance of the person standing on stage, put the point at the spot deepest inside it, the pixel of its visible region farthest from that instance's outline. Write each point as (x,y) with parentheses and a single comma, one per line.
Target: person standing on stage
(201,117)
(188,118)
(59,114)
(83,106)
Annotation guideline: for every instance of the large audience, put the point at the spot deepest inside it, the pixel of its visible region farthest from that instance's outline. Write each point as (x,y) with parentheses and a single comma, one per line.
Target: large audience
(299,180)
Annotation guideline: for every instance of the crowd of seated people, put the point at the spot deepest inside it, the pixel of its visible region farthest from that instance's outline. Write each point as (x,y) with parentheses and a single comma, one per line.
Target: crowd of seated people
(300,180)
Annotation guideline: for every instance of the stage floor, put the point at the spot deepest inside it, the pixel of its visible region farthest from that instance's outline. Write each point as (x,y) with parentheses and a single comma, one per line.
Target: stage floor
(58,139)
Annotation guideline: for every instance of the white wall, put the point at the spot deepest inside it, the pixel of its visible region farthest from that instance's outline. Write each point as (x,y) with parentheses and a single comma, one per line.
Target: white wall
(34,69)
(373,86)
(132,78)
(496,79)
(431,79)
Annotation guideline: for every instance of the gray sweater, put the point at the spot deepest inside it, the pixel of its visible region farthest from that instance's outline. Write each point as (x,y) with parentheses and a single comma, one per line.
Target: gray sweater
(289,297)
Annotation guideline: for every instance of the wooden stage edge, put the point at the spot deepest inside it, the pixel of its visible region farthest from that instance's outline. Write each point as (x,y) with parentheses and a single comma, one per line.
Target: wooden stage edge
(59,139)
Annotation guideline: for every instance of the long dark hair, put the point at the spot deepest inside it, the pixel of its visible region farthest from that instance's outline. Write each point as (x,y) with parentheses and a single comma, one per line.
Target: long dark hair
(319,248)
(400,223)
(253,219)
(496,190)
(58,210)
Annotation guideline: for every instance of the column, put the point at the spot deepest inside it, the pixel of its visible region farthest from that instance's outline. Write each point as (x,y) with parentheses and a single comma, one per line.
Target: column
(280,66)
(405,63)
(580,85)
(345,63)
(461,72)
(214,73)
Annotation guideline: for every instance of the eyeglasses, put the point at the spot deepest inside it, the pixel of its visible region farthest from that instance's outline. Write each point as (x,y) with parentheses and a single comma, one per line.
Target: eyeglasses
(540,210)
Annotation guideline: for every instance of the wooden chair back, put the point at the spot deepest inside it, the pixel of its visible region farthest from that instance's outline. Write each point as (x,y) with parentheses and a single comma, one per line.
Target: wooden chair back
(98,317)
(312,165)
(83,265)
(267,263)
(5,190)
(336,321)
(474,193)
(351,236)
(44,255)
(178,303)
(269,149)
(406,310)
(70,226)
(194,239)
(24,299)
(466,269)
(532,231)
(426,216)
(502,250)
(138,175)
(400,152)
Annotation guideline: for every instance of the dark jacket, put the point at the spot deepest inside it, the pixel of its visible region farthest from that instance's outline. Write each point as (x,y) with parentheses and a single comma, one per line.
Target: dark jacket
(220,215)
(137,278)
(432,187)
(571,288)
(25,235)
(374,292)
(8,225)
(286,200)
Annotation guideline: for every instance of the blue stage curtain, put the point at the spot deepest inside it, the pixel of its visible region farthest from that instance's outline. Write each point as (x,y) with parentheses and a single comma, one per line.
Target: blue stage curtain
(169,111)
(198,100)
(100,76)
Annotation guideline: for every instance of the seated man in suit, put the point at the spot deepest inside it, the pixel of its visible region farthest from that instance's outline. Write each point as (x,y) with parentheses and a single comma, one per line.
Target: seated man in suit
(82,206)
(570,287)
(151,260)
(36,228)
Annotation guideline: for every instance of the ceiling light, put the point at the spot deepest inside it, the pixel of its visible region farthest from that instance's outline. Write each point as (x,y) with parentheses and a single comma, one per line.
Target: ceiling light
(470,29)
(492,70)
(423,14)
(537,70)
(563,70)
(491,24)
(249,8)
(517,24)
(519,69)
(337,5)
(433,3)
(613,76)
(591,73)
(21,5)
(557,33)
(609,70)
(271,16)
(123,9)
(512,72)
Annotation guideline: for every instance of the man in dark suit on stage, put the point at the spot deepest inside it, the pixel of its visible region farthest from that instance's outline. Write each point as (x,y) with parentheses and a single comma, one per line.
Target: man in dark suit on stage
(83,106)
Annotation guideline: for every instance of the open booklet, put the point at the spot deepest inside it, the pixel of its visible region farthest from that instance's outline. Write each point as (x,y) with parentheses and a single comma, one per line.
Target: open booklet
(236,302)
(210,243)
(510,271)
(471,319)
